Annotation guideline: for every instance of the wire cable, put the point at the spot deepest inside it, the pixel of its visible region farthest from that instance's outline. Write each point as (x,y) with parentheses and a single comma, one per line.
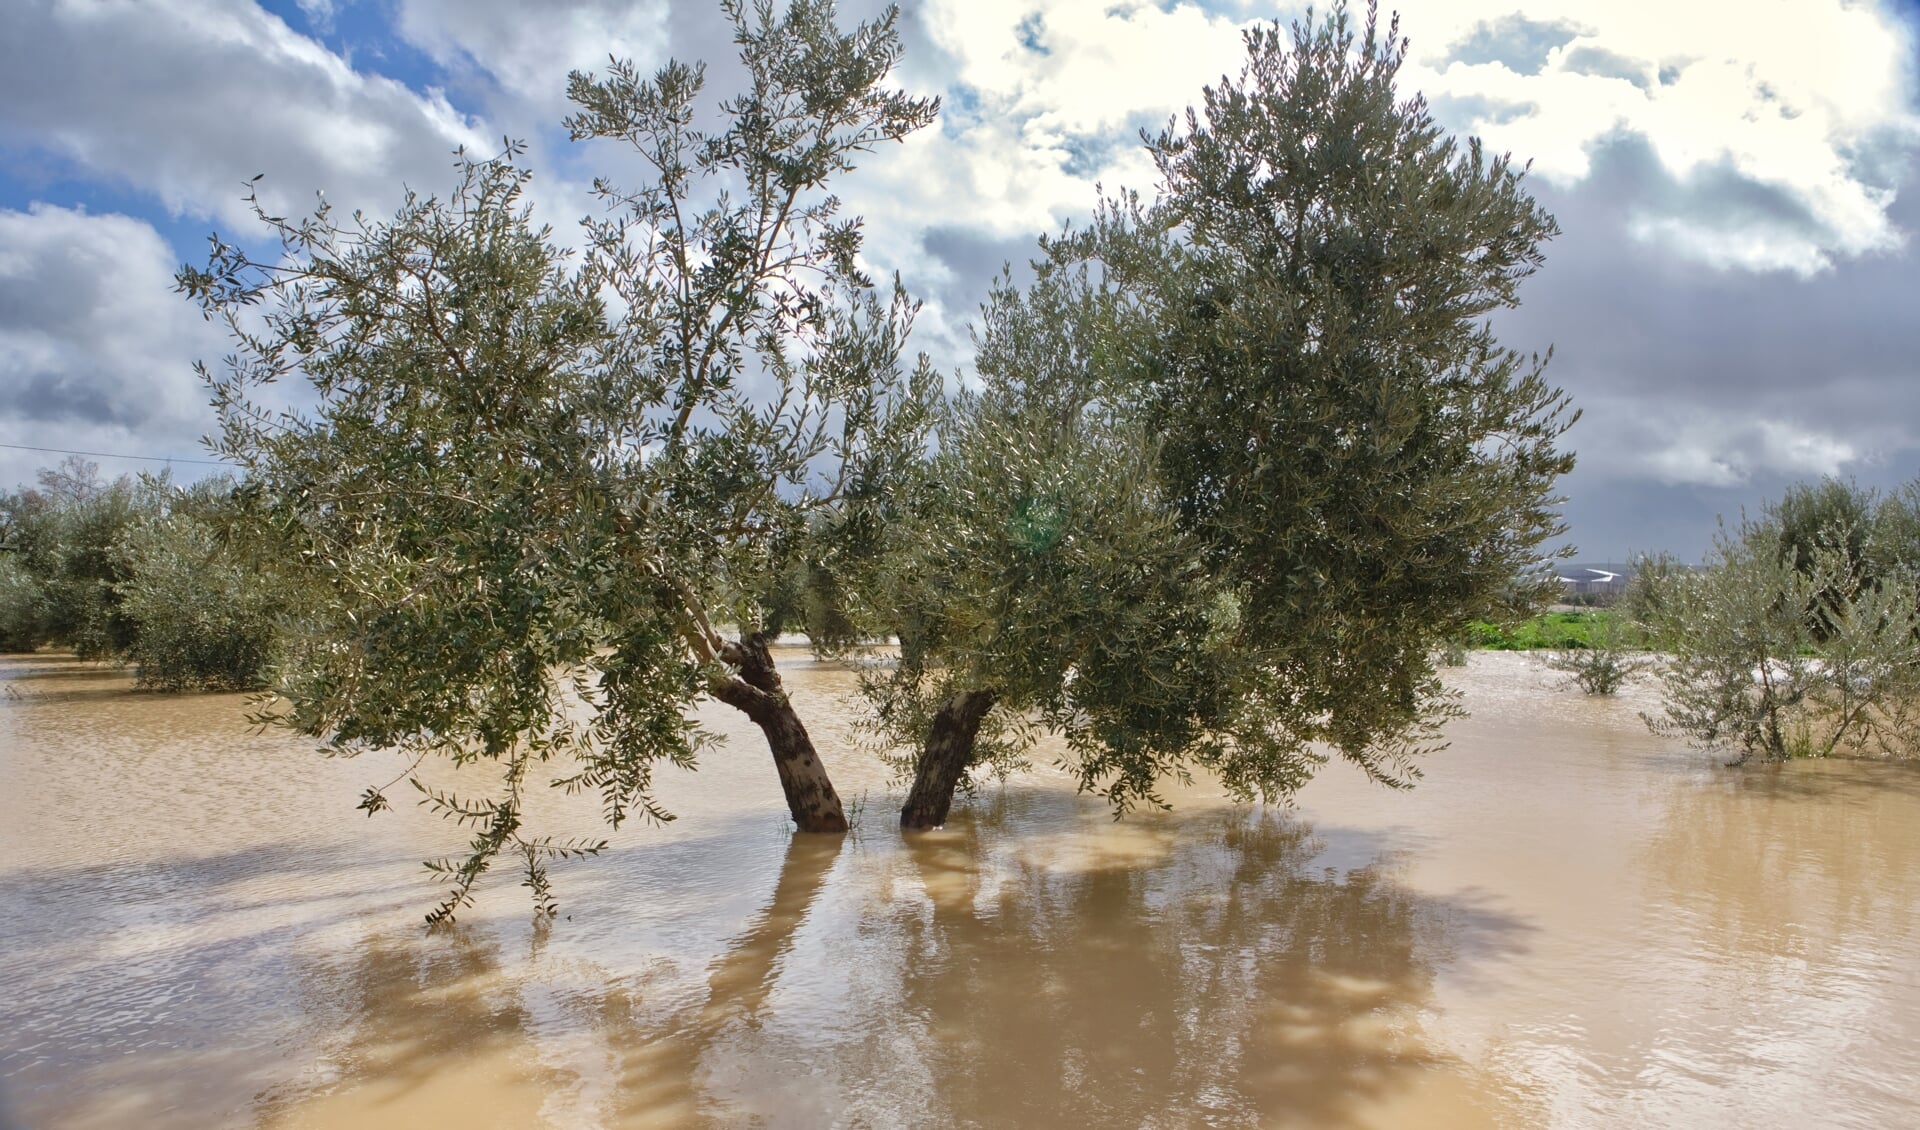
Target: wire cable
(117,455)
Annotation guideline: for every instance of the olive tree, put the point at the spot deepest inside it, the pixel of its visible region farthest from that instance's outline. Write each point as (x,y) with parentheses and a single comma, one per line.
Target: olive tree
(135,570)
(1831,515)
(1782,650)
(1356,466)
(1041,581)
(547,497)
(1370,468)
(61,570)
(206,607)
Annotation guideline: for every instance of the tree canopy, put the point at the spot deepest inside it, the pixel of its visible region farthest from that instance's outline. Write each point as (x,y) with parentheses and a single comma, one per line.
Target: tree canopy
(537,488)
(1800,635)
(1284,362)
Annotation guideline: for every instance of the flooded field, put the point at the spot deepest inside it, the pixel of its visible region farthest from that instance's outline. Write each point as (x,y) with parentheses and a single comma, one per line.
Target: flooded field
(1569,923)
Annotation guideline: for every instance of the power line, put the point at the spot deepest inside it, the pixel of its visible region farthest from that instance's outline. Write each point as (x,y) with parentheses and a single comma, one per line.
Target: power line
(117,455)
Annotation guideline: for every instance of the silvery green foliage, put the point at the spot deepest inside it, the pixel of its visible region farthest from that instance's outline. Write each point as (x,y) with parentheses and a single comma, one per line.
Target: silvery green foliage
(1336,466)
(535,486)
(1644,603)
(61,567)
(1611,656)
(22,606)
(1039,562)
(1778,653)
(206,612)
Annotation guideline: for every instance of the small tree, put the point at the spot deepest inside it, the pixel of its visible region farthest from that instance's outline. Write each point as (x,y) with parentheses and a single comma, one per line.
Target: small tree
(206,612)
(1605,660)
(1042,580)
(1778,654)
(535,493)
(1644,604)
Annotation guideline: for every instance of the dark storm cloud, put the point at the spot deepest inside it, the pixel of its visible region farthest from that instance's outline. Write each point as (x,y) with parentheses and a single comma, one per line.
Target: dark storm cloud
(72,391)
(1707,389)
(1621,520)
(975,259)
(1521,44)
(1763,333)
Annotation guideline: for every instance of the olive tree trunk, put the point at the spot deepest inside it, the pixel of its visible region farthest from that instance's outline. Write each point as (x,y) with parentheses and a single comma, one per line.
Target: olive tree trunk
(755,691)
(944,759)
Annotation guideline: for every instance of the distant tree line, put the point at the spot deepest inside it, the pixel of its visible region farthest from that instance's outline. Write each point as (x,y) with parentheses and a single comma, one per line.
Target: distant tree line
(138,570)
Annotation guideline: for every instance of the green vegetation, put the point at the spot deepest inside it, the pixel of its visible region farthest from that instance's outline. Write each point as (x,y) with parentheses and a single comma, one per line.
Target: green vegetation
(1246,455)
(1550,631)
(135,571)
(1801,636)
(544,502)
(208,612)
(63,568)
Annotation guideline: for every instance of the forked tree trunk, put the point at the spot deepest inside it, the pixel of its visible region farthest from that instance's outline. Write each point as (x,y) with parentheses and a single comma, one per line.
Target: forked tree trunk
(944,759)
(755,690)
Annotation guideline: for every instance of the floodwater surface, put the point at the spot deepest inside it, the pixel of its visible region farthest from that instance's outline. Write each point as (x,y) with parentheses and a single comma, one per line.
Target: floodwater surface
(1567,923)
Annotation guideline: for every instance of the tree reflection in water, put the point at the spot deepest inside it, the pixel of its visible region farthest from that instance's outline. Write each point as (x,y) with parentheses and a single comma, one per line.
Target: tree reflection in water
(1034,964)
(431,1033)
(1226,982)
(1164,971)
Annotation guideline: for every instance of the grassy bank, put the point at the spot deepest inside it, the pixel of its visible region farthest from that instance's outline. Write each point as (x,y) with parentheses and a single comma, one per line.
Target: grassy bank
(1556,631)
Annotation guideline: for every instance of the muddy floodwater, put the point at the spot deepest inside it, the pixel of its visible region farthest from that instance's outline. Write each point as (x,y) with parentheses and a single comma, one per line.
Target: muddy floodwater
(1568,923)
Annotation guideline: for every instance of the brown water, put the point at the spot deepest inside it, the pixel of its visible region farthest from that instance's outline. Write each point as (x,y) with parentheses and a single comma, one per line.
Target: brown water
(1569,923)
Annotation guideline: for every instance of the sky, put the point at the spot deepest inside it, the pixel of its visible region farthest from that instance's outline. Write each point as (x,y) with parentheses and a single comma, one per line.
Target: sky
(1731,301)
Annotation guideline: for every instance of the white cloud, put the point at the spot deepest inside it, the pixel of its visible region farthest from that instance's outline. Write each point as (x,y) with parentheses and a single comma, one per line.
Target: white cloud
(186,99)
(1792,95)
(319,13)
(1800,100)
(528,52)
(1724,453)
(95,349)
(1043,99)
(1084,66)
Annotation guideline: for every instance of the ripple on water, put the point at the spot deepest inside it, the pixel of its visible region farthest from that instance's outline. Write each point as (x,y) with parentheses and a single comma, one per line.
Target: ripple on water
(1567,923)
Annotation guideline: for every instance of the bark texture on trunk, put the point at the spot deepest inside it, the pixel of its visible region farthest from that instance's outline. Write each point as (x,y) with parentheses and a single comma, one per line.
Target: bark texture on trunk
(944,759)
(755,691)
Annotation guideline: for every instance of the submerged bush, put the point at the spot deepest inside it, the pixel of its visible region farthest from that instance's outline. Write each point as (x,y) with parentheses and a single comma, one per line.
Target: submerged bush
(1782,651)
(1610,656)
